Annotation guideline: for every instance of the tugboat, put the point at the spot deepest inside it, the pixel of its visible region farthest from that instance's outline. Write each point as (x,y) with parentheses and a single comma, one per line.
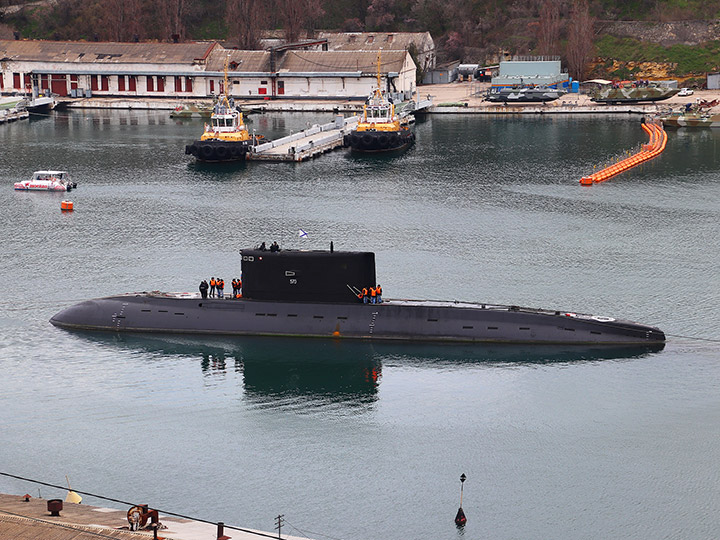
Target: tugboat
(226,138)
(334,294)
(380,129)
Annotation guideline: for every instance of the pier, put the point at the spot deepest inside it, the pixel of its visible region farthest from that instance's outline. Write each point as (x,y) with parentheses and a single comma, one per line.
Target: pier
(319,139)
(32,518)
(305,144)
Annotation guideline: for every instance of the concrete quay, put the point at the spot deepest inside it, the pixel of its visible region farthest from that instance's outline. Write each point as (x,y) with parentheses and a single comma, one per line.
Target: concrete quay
(467,98)
(31,520)
(451,98)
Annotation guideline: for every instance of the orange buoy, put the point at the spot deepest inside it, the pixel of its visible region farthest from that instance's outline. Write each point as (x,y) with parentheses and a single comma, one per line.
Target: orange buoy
(66,206)
(658,141)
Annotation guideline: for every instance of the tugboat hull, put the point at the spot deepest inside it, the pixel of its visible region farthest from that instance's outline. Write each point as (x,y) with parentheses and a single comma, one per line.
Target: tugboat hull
(379,141)
(215,150)
(408,320)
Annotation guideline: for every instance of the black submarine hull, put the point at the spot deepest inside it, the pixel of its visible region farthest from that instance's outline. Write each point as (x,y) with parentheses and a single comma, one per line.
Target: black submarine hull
(409,320)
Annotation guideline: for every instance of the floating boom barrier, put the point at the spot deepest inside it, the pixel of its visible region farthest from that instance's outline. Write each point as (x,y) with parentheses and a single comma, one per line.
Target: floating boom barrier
(658,140)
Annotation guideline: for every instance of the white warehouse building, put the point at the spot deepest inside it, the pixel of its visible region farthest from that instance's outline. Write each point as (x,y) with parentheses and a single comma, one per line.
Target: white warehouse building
(196,70)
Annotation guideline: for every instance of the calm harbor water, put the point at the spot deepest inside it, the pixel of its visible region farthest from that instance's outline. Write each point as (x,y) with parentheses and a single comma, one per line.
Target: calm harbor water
(365,441)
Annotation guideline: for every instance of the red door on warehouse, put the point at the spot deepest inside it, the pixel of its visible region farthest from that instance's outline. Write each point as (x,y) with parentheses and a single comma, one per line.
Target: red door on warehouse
(58,85)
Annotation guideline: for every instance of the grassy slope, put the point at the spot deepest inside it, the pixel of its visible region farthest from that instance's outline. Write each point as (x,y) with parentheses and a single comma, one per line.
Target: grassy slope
(688,60)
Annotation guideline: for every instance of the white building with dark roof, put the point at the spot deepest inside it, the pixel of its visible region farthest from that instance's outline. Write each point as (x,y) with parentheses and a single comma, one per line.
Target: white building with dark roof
(422,42)
(196,70)
(105,68)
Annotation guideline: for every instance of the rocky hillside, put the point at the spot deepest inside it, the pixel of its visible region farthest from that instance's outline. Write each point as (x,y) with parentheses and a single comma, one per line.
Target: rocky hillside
(663,33)
(624,38)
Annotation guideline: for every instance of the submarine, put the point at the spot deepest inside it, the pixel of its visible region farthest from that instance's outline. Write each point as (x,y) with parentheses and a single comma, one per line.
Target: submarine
(314,294)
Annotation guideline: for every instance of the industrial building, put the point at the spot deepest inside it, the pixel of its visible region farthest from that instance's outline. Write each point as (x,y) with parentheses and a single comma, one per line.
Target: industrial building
(196,70)
(531,71)
(713,81)
(420,42)
(443,73)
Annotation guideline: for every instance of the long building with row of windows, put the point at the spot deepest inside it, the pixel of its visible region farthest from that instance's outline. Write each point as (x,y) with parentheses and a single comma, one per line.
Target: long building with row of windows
(196,70)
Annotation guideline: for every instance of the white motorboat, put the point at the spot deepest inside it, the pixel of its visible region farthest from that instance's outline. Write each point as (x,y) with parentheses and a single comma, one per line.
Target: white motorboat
(47,181)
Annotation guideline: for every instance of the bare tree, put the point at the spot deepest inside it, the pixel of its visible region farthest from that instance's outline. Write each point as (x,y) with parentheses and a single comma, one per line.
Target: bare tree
(298,15)
(380,15)
(121,19)
(246,20)
(580,39)
(172,16)
(293,15)
(315,12)
(549,27)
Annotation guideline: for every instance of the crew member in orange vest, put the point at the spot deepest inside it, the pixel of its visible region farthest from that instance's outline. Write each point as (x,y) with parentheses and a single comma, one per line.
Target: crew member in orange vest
(213,283)
(365,295)
(220,287)
(234,286)
(378,292)
(238,293)
(373,294)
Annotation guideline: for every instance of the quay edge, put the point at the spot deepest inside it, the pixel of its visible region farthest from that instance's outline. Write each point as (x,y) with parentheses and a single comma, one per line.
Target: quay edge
(31,519)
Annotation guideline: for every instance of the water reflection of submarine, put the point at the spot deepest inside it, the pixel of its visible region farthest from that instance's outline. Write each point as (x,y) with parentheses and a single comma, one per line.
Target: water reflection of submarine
(309,365)
(303,368)
(332,370)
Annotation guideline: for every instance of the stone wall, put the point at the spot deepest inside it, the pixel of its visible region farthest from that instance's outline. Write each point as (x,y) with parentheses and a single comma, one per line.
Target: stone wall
(666,34)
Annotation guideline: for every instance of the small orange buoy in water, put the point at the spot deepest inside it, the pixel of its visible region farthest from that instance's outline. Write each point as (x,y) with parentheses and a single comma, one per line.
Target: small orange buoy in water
(66,206)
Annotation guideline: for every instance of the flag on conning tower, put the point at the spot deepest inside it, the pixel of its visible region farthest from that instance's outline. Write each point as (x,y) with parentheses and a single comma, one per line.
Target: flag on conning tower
(302,234)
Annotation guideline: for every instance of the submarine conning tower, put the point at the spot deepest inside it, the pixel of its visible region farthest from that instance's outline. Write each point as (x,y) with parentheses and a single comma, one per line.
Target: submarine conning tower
(306,276)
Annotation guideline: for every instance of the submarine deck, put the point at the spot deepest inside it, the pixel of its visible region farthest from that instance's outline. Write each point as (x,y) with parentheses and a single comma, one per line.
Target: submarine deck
(393,319)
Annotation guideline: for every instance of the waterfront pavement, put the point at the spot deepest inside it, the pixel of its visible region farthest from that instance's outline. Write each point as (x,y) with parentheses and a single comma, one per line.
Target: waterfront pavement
(463,97)
(31,520)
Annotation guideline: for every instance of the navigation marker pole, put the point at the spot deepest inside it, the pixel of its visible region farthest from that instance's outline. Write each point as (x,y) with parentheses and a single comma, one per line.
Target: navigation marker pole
(71,496)
(460,518)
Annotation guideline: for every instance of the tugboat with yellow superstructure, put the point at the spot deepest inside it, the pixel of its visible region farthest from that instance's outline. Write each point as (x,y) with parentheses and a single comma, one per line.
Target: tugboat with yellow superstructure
(379,129)
(226,138)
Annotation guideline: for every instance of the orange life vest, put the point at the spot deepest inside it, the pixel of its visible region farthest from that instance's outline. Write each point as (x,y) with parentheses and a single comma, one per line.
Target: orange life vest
(212,282)
(379,290)
(372,291)
(221,284)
